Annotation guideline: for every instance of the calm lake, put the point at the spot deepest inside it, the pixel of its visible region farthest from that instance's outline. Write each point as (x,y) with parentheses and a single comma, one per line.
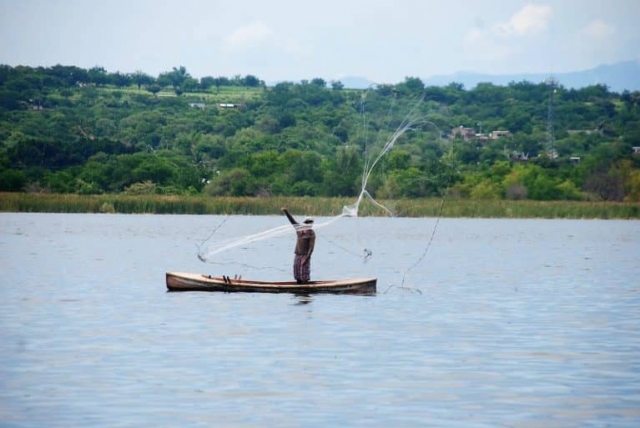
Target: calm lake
(476,323)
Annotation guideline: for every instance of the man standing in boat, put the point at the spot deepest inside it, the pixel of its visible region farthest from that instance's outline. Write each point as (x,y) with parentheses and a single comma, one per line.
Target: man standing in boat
(304,247)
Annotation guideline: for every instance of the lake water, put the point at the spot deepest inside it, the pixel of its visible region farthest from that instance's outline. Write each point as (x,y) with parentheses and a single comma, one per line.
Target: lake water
(496,323)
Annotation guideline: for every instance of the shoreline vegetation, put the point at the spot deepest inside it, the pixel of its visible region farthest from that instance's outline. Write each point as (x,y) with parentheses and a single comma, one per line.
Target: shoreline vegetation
(318,206)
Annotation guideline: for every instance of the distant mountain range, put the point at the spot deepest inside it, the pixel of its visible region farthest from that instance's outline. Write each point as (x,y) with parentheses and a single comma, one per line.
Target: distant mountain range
(617,77)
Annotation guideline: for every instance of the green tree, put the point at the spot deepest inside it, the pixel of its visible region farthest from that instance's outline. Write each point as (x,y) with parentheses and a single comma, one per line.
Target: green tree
(342,173)
(12,180)
(140,78)
(303,166)
(98,76)
(234,182)
(60,134)
(252,81)
(176,78)
(120,80)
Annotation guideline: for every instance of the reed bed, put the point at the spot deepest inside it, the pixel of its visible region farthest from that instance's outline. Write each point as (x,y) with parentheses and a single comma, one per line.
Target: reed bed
(157,204)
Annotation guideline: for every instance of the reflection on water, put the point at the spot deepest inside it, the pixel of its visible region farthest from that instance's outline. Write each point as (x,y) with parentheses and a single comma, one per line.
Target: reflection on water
(504,323)
(303,299)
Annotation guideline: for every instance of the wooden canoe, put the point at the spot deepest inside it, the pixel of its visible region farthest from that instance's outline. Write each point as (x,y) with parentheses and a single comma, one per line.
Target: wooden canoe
(182,281)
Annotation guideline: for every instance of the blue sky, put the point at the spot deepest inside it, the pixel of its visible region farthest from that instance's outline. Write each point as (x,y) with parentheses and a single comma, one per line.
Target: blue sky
(383,41)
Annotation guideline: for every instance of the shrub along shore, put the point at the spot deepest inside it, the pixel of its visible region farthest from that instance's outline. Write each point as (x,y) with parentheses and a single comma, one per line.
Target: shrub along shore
(449,207)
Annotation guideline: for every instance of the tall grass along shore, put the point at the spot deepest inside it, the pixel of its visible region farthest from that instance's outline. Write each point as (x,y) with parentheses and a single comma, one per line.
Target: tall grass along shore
(156,204)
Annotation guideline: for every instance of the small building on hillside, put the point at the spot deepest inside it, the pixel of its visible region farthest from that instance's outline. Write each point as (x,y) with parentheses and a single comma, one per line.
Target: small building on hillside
(494,135)
(584,131)
(482,138)
(462,132)
(519,156)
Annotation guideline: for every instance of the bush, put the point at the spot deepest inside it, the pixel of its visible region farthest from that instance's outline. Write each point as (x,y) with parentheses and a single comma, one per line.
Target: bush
(12,180)
(569,191)
(85,188)
(485,190)
(142,188)
(107,208)
(516,192)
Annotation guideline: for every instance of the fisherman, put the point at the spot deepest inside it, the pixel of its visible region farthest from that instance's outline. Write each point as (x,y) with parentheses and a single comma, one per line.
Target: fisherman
(304,248)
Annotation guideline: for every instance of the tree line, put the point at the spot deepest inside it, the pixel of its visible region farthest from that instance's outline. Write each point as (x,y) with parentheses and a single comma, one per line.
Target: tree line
(65,129)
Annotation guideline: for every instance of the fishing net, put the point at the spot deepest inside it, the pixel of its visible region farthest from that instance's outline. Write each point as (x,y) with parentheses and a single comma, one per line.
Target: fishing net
(377,145)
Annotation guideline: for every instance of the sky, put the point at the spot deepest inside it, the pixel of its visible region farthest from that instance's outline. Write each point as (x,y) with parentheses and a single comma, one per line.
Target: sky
(383,41)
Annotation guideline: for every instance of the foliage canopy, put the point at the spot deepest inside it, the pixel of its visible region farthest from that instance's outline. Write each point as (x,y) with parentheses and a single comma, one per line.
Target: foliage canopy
(69,130)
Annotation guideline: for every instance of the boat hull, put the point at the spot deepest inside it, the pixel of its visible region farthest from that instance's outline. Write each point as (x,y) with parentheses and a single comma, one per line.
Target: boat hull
(183,281)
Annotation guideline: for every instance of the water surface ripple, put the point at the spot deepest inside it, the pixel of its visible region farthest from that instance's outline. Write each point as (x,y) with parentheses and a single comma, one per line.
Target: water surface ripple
(504,323)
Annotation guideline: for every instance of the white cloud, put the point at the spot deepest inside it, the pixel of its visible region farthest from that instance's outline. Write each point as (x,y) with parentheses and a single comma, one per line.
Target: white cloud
(598,30)
(596,43)
(248,36)
(531,19)
(501,45)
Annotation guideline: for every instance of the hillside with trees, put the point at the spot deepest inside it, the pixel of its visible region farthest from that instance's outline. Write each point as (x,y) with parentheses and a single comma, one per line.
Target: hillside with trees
(64,129)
